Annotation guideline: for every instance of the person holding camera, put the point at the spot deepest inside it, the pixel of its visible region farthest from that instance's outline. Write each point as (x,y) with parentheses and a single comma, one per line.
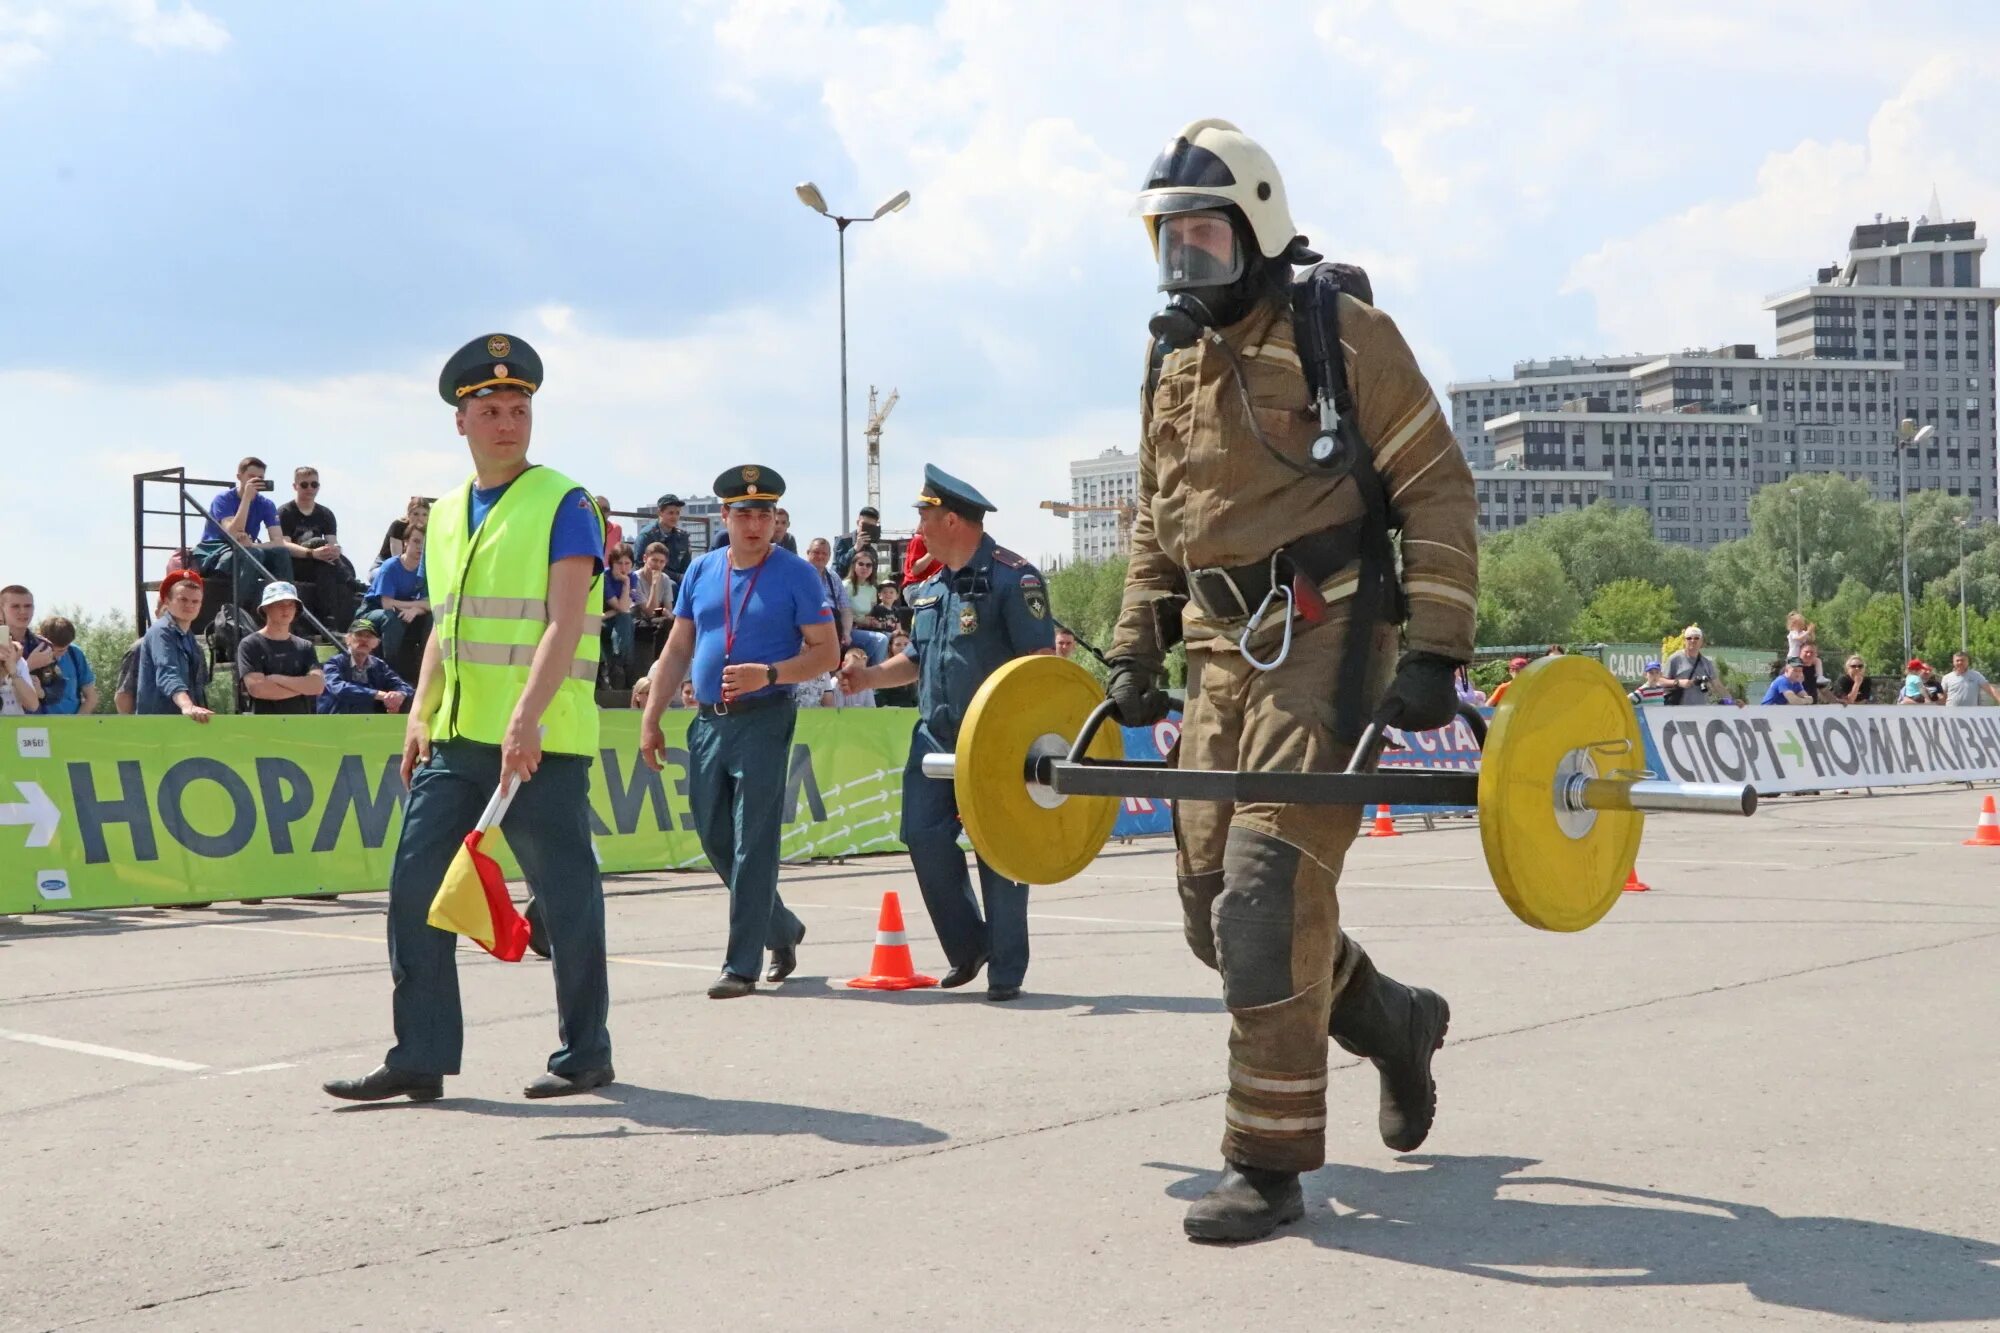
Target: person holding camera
(36,654)
(245,512)
(1691,675)
(867,531)
(19,692)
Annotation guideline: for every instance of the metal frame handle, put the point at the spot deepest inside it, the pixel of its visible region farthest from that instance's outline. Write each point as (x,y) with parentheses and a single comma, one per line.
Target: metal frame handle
(1375,736)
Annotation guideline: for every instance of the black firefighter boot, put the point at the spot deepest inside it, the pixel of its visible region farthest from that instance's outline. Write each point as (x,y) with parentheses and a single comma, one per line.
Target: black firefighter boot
(1248,1203)
(1397,1027)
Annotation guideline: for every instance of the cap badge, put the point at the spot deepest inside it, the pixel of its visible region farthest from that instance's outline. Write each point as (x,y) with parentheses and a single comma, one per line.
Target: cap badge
(500,372)
(498,345)
(750,475)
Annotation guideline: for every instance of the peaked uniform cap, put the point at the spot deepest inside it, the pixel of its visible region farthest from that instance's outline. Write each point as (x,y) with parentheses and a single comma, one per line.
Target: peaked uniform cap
(489,363)
(943,489)
(751,485)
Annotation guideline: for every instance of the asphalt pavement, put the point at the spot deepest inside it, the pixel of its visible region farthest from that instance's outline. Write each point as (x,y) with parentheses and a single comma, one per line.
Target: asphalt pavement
(1763,1094)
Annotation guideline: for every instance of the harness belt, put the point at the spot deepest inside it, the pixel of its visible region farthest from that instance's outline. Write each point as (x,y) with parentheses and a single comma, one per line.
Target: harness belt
(1234,594)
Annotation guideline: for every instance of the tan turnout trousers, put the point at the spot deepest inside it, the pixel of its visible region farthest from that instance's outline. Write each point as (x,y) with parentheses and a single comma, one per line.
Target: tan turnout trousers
(1258,885)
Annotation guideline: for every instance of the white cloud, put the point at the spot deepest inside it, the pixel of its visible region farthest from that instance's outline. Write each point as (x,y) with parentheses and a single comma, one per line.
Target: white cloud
(30,34)
(1696,277)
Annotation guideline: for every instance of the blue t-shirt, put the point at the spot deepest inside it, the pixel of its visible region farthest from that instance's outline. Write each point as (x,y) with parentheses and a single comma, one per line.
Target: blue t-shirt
(614,587)
(1781,687)
(576,530)
(784,595)
(396,580)
(263,517)
(76,672)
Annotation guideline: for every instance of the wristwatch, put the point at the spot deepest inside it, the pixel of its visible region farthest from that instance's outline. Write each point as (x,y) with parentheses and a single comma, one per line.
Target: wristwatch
(771,674)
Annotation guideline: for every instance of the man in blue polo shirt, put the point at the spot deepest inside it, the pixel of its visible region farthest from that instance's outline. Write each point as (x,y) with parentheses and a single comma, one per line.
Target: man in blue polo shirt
(752,620)
(1790,686)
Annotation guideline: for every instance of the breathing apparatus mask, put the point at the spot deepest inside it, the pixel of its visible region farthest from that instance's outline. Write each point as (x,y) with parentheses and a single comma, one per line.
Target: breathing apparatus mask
(1211,271)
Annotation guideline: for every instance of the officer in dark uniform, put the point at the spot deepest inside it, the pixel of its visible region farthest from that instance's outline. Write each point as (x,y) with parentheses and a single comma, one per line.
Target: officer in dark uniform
(679,551)
(983,608)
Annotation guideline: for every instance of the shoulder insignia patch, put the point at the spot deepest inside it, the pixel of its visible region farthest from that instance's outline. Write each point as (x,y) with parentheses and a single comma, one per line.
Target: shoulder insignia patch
(1037,600)
(1003,556)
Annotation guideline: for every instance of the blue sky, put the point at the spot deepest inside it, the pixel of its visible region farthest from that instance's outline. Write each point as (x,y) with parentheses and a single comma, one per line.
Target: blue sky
(257,227)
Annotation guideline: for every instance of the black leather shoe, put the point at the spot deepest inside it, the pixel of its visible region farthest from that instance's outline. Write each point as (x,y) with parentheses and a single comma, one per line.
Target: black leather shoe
(568,1085)
(785,961)
(1002,994)
(1248,1203)
(958,976)
(728,986)
(385,1083)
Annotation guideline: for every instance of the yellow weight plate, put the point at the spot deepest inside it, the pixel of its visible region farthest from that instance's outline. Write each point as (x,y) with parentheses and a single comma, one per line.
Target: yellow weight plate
(1032,701)
(1558,872)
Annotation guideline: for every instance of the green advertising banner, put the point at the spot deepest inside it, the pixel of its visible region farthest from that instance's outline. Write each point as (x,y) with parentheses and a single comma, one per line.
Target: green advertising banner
(102,812)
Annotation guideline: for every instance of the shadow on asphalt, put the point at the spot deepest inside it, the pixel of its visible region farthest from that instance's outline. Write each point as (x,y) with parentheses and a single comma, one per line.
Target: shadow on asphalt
(1452,1216)
(641,1110)
(1033,1001)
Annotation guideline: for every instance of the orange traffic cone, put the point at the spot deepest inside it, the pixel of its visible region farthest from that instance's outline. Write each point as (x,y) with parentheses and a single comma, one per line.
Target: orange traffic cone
(1633,884)
(891,968)
(1385,827)
(1988,832)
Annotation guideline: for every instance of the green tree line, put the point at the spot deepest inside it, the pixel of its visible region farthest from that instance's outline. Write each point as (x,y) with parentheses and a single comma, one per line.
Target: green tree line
(1821,545)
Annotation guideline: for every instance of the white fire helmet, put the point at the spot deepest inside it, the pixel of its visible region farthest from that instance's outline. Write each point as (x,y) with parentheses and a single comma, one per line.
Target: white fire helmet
(1209,165)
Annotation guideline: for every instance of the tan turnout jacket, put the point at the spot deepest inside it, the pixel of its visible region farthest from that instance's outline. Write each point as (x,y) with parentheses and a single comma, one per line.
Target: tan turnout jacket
(1210,495)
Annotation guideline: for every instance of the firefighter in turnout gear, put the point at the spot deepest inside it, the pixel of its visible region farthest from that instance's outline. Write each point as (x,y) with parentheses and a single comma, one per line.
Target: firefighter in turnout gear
(1263,541)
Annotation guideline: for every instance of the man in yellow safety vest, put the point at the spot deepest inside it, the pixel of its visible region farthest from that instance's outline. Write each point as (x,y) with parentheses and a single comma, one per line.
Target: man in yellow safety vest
(514,567)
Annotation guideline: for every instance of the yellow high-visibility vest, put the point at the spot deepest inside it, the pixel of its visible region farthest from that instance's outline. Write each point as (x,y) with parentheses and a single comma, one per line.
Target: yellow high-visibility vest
(489,606)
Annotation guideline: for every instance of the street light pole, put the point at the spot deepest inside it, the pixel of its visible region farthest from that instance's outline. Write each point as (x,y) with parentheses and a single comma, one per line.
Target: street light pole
(1908,437)
(1961,587)
(1798,546)
(810,196)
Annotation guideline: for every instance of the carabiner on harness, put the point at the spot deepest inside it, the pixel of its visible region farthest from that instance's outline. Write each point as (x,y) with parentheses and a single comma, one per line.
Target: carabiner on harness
(1279,587)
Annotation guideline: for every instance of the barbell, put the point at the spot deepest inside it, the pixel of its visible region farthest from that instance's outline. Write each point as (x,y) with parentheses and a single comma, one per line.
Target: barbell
(1560,789)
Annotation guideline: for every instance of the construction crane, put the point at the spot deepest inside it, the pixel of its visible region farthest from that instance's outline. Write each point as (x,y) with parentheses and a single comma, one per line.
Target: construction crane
(873,434)
(1127,512)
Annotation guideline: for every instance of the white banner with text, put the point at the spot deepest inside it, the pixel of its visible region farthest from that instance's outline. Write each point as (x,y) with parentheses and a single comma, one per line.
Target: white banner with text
(1779,749)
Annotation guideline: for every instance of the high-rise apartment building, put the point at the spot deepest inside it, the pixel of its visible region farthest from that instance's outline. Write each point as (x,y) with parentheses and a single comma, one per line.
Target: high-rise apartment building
(1537,386)
(1900,329)
(1109,481)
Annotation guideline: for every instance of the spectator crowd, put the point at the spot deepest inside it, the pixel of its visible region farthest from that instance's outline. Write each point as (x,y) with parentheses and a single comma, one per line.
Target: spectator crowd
(299,621)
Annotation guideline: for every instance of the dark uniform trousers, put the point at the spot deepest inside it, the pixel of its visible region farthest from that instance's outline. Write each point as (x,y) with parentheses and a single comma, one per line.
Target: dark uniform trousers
(1258,884)
(930,829)
(548,830)
(737,765)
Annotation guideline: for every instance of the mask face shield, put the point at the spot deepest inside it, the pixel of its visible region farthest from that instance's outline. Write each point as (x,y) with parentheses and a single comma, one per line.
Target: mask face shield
(1197,251)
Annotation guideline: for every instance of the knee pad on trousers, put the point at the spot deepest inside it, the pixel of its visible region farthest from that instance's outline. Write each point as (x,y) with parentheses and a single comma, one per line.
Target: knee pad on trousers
(1198,895)
(1254,919)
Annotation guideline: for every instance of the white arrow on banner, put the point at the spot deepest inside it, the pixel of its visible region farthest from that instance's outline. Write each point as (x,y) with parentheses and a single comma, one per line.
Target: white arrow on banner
(37,811)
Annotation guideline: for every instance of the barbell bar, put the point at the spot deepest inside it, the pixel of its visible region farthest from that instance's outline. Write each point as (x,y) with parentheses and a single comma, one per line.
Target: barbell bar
(1561,806)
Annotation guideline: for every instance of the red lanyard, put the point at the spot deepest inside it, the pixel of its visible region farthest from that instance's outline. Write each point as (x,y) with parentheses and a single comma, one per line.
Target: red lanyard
(729,619)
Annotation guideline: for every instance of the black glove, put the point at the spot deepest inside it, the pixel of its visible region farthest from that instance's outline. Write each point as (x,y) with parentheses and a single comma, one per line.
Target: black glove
(1423,696)
(1134,687)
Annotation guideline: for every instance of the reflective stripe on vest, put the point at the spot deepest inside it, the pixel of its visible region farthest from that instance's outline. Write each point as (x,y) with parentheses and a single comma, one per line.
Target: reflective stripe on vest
(508,608)
(489,599)
(509,655)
